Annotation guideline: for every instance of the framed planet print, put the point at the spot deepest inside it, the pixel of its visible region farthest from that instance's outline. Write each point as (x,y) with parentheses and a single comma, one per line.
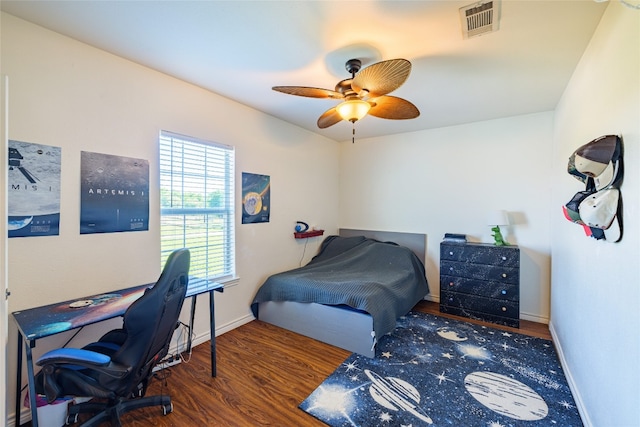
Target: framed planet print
(256,198)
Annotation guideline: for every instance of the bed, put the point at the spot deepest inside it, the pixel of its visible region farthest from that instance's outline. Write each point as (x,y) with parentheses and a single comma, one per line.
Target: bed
(352,292)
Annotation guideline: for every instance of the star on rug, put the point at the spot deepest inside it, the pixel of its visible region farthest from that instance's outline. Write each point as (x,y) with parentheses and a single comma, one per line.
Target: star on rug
(436,371)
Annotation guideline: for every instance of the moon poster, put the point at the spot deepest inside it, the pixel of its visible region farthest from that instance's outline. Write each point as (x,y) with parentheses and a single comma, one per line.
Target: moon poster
(256,198)
(114,193)
(34,189)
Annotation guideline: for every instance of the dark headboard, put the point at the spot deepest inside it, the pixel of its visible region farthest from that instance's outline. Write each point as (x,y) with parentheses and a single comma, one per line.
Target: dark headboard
(414,241)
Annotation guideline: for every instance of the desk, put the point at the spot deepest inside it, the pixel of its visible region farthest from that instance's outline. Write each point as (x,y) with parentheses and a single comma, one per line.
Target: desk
(41,322)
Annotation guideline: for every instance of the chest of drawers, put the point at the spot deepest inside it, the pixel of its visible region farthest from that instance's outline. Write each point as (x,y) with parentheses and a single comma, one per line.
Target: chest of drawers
(481,281)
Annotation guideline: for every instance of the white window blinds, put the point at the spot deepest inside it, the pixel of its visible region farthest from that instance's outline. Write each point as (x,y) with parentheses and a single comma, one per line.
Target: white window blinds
(196,204)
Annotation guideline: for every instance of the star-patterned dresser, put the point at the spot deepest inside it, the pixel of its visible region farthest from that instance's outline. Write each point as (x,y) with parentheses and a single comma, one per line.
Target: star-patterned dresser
(481,281)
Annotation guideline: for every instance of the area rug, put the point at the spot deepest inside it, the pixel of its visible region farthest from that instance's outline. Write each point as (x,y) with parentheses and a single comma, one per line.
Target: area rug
(437,371)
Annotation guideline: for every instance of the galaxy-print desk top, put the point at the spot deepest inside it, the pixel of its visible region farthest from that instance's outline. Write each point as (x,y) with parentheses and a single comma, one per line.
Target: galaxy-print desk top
(40,322)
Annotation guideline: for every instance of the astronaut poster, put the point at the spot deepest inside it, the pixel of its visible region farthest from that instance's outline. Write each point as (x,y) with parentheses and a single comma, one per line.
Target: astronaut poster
(33,193)
(114,193)
(256,198)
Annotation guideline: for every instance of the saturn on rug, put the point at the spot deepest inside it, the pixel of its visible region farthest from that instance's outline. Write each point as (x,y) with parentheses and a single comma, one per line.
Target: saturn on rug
(437,371)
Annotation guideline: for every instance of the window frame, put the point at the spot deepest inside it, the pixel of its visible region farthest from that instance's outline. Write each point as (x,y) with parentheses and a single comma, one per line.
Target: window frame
(175,168)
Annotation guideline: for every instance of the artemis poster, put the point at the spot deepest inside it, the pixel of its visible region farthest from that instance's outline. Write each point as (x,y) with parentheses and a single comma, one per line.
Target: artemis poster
(256,198)
(114,193)
(33,195)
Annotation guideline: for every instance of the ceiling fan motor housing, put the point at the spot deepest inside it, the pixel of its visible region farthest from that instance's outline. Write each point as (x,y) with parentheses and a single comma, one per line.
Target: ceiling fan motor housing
(353,66)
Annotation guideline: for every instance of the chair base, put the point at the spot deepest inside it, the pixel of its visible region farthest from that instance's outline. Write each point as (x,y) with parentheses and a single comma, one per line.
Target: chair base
(111,411)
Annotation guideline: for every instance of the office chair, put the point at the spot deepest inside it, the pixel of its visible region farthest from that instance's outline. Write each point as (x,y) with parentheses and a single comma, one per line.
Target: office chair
(117,368)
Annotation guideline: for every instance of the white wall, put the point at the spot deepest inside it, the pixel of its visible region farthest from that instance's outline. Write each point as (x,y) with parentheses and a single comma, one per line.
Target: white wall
(595,295)
(448,180)
(67,94)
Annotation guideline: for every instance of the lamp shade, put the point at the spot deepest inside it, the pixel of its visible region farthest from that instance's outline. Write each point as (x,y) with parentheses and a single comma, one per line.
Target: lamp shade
(353,109)
(498,218)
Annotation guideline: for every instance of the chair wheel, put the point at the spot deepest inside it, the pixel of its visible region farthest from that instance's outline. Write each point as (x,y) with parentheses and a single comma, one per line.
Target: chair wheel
(71,419)
(167,409)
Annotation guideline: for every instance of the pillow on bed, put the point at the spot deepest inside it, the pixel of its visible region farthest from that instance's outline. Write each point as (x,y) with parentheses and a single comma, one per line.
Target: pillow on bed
(336,245)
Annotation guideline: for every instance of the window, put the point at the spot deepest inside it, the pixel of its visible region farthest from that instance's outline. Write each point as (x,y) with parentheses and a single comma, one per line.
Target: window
(196,204)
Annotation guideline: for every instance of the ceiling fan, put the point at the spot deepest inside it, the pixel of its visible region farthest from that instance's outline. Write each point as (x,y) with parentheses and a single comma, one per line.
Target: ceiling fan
(364,93)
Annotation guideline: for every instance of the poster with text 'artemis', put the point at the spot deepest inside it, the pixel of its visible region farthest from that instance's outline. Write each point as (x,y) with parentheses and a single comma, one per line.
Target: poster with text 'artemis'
(114,193)
(33,195)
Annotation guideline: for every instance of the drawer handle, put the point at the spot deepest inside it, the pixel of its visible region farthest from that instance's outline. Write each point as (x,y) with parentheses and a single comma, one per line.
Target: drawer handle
(450,299)
(450,268)
(450,252)
(503,292)
(450,283)
(504,258)
(504,308)
(504,275)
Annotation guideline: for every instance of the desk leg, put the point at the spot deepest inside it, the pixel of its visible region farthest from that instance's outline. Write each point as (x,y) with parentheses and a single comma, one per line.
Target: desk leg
(19,379)
(212,325)
(32,388)
(191,320)
(212,320)
(32,383)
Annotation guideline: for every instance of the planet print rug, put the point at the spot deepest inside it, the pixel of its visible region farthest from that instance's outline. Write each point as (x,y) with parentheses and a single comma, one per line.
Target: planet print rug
(437,371)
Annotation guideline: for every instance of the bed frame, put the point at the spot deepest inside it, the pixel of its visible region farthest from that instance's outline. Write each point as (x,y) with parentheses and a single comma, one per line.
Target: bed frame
(326,323)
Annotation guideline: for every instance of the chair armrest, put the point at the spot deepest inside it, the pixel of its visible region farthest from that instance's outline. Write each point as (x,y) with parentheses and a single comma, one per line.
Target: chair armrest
(83,358)
(74,356)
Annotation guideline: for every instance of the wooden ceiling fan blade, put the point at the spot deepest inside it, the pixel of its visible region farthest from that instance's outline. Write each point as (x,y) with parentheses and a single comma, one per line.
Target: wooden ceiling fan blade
(392,107)
(310,92)
(329,118)
(382,77)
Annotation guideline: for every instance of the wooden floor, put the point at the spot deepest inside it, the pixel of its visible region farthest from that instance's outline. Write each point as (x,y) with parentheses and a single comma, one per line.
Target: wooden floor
(264,372)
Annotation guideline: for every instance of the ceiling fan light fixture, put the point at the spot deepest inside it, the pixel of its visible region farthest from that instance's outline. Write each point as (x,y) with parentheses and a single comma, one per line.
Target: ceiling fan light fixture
(365,93)
(353,109)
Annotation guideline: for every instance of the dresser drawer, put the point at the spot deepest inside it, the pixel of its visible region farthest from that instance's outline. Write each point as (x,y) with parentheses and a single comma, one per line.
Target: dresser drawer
(480,271)
(499,290)
(508,256)
(514,323)
(495,307)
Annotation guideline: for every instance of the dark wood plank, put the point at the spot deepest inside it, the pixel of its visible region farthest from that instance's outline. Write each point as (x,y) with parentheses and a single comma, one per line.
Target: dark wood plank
(264,372)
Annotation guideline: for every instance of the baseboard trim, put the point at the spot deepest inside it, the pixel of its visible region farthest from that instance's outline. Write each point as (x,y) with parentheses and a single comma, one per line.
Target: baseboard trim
(534,318)
(577,397)
(204,337)
(25,415)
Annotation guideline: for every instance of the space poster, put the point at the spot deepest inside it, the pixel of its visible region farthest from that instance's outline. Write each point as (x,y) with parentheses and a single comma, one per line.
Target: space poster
(33,194)
(256,198)
(114,193)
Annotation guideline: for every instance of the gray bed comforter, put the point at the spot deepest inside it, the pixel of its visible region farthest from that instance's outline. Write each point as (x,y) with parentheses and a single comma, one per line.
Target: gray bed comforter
(380,278)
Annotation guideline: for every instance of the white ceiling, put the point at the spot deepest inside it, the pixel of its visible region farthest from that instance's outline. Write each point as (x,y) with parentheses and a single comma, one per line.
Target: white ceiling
(240,49)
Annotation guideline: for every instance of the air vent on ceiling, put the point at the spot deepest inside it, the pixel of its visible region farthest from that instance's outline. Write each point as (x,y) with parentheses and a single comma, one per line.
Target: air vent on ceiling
(479,18)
